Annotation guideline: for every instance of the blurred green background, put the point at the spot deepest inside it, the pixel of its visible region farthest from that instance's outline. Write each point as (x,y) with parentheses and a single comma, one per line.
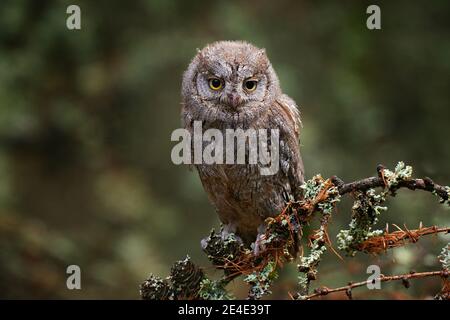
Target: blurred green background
(86,117)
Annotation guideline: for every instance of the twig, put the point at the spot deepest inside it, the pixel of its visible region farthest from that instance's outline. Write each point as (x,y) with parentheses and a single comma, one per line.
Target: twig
(322,291)
(398,238)
(425,184)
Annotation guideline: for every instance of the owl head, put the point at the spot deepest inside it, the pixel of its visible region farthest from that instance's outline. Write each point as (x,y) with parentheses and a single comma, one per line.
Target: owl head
(230,77)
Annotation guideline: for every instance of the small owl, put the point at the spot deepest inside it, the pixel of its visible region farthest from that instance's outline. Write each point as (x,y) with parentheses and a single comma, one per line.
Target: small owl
(232,85)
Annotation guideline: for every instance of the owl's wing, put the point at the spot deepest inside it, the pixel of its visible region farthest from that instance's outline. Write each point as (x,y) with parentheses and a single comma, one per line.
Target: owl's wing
(290,159)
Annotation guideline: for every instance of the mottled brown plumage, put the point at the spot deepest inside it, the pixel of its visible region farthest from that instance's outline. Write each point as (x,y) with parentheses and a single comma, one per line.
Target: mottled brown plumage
(243,198)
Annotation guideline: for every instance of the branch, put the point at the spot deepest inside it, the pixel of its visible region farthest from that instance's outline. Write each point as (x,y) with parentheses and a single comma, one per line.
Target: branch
(323,291)
(281,241)
(368,206)
(425,184)
(378,244)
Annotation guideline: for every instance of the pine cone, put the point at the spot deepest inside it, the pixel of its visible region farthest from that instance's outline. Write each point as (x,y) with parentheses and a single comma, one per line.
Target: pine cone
(155,288)
(186,278)
(220,248)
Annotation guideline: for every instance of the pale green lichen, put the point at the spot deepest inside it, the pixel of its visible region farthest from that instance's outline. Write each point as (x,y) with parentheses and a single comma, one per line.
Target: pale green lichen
(365,212)
(442,199)
(325,205)
(314,186)
(260,281)
(308,264)
(444,257)
(448,194)
(402,172)
(214,290)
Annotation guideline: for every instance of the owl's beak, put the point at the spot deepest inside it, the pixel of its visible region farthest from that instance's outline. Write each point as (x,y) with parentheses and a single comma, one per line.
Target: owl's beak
(234,100)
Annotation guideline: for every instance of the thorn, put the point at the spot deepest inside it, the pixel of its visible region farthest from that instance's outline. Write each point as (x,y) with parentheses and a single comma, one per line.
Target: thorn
(380,171)
(348,292)
(311,275)
(406,283)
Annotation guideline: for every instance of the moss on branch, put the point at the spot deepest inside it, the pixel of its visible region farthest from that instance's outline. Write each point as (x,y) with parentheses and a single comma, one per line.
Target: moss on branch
(284,232)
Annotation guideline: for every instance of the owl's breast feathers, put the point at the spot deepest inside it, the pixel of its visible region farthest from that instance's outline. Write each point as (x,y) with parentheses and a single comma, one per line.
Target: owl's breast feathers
(240,194)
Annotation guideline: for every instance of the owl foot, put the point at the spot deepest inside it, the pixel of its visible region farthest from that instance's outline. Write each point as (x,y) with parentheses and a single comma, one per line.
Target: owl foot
(226,231)
(230,229)
(258,246)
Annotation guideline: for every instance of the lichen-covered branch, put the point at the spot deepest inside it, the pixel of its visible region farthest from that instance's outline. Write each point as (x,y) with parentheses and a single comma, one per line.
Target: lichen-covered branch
(368,203)
(425,184)
(308,264)
(365,212)
(401,237)
(282,239)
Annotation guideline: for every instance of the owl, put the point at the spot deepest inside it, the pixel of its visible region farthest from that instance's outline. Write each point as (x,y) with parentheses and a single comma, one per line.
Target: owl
(232,85)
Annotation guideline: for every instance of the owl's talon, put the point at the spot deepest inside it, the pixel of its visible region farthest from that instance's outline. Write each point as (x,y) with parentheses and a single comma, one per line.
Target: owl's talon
(229,229)
(204,243)
(226,231)
(258,246)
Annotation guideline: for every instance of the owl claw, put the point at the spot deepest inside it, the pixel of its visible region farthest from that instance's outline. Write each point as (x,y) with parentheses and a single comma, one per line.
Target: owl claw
(226,231)
(229,229)
(258,246)
(204,243)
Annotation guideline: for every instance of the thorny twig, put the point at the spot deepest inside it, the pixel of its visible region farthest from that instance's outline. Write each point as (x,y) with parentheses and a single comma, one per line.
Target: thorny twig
(398,238)
(323,291)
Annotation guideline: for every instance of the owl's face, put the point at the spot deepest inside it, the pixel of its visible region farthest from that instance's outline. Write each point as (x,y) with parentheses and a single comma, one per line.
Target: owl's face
(230,77)
(231,86)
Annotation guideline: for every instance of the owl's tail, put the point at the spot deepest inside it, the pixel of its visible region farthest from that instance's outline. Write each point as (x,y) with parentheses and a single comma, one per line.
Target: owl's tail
(295,248)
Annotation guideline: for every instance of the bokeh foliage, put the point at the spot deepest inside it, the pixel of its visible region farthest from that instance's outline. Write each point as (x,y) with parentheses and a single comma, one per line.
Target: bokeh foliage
(86,117)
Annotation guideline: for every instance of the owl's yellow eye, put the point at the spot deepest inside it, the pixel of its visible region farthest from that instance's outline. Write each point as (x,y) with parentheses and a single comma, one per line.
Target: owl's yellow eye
(215,84)
(250,85)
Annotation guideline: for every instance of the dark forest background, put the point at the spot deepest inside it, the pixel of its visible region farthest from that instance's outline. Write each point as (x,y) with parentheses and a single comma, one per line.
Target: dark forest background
(86,117)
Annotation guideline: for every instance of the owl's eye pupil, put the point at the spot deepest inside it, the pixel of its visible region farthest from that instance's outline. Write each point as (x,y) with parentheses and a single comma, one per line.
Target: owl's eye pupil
(215,83)
(250,85)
